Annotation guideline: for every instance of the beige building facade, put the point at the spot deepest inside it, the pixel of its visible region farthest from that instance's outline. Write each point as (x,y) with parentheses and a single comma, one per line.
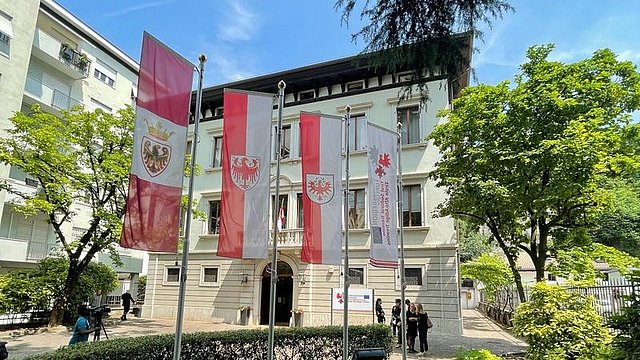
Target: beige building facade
(217,288)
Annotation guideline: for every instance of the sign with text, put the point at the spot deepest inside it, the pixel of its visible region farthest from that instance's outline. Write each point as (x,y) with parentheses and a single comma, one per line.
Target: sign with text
(359,299)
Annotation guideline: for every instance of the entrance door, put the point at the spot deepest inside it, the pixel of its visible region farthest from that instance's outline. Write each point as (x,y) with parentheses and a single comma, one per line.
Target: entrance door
(284,294)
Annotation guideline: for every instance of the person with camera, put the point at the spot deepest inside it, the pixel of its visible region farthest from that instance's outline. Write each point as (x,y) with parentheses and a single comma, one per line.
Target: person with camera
(82,329)
(127,299)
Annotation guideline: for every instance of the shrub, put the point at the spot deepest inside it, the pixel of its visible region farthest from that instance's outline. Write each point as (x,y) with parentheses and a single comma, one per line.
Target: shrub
(560,325)
(626,344)
(482,354)
(300,343)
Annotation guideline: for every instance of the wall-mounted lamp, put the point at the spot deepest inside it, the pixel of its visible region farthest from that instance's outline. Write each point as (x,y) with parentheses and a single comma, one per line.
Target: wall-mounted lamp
(302,278)
(244,278)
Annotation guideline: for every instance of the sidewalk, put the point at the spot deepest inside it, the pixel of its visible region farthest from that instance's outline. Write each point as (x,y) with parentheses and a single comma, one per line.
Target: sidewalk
(479,332)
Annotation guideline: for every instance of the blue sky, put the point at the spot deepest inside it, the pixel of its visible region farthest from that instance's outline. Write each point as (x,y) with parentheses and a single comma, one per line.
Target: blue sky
(245,38)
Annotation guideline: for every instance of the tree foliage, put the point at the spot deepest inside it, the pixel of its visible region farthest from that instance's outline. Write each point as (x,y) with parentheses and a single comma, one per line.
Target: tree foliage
(81,157)
(559,325)
(472,242)
(527,160)
(491,270)
(417,34)
(24,290)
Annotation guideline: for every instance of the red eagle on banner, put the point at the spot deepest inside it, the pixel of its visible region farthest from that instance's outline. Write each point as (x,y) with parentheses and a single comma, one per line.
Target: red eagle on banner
(320,188)
(245,171)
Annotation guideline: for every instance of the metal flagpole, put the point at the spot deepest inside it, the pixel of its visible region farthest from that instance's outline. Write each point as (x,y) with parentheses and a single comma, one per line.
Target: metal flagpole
(403,283)
(345,291)
(274,256)
(185,247)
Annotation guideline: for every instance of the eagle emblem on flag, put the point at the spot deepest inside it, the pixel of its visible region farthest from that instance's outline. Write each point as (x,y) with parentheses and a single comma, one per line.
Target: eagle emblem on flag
(320,187)
(245,171)
(155,156)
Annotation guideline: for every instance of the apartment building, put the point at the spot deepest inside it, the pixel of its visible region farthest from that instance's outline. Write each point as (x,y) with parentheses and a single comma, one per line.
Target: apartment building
(51,58)
(219,288)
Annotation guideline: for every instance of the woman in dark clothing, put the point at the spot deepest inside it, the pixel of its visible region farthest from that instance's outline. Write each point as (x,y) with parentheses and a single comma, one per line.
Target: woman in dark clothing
(396,312)
(412,328)
(422,328)
(379,311)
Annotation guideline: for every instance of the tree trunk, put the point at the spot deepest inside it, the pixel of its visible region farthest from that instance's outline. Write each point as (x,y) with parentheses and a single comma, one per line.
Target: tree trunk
(516,277)
(60,302)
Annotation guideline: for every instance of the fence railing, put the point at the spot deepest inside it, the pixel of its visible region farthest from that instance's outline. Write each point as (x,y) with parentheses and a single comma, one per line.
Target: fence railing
(609,299)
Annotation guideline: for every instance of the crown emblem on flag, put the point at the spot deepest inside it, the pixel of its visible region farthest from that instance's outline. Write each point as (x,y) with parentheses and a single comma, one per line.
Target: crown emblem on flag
(157,131)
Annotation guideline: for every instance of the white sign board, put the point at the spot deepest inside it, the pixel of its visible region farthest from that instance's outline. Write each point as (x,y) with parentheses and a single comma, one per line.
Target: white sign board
(359,299)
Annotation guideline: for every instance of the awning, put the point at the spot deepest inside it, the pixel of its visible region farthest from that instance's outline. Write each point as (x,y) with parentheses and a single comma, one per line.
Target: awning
(5,26)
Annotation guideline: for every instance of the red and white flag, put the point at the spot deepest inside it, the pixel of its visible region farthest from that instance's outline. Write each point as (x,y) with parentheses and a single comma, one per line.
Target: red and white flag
(322,188)
(383,196)
(281,219)
(246,165)
(152,215)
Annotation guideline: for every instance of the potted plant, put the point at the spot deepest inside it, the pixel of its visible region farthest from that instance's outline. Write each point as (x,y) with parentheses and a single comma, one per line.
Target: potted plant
(245,312)
(297,316)
(83,62)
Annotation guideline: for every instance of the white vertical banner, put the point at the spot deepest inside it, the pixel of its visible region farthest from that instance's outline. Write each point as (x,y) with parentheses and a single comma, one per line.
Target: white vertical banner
(383,196)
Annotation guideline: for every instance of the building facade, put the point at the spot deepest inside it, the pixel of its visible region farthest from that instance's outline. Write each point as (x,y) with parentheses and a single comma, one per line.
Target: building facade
(51,58)
(218,288)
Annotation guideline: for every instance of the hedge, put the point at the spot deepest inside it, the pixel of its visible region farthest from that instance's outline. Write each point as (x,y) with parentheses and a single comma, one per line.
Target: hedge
(306,343)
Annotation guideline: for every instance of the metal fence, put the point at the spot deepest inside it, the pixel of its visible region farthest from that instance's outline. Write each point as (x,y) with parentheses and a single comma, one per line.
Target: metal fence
(609,298)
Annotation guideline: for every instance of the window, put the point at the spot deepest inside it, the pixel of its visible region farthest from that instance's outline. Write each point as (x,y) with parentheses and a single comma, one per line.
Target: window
(410,120)
(275,209)
(411,206)
(216,160)
(6,34)
(172,275)
(77,233)
(214,217)
(357,132)
(356,209)
(551,277)
(413,276)
(95,104)
(209,275)
(355,85)
(31,182)
(300,220)
(189,148)
(405,76)
(308,94)
(356,276)
(468,283)
(286,143)
(104,73)
(219,111)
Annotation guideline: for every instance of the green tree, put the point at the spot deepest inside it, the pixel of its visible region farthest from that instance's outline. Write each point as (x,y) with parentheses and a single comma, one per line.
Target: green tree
(559,325)
(527,160)
(83,156)
(416,35)
(472,242)
(620,226)
(491,270)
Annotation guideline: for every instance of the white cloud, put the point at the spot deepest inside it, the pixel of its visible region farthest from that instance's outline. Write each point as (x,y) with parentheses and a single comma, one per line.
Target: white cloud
(240,23)
(138,7)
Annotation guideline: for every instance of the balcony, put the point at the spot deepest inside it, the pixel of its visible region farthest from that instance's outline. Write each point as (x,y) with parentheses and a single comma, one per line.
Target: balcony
(21,187)
(61,56)
(287,238)
(49,96)
(21,250)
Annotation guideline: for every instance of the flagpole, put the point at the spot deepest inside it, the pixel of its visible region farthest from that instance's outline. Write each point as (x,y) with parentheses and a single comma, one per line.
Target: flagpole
(185,246)
(403,284)
(274,256)
(345,291)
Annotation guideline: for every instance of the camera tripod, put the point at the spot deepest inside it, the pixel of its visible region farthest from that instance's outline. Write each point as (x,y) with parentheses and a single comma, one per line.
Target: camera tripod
(99,326)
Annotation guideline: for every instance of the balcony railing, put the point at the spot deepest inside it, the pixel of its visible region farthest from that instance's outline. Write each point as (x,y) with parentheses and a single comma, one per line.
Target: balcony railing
(24,250)
(49,96)
(288,238)
(75,59)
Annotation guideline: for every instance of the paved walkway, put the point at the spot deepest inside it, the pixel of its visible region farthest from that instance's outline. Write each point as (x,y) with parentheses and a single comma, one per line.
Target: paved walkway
(479,332)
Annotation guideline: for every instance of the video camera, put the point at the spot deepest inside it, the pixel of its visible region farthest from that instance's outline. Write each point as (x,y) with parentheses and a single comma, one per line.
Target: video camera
(98,311)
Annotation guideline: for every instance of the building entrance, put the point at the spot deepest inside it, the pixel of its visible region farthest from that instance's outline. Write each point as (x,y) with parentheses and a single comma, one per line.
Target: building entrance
(284,294)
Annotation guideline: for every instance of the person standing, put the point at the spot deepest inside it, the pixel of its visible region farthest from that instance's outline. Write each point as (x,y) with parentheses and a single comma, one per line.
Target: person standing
(82,329)
(127,299)
(380,311)
(396,313)
(412,328)
(423,327)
